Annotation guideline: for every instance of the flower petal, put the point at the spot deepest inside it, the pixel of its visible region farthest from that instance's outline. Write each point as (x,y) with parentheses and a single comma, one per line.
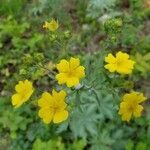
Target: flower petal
(126,116)
(123,70)
(79,72)
(110,67)
(62,94)
(63,66)
(137,112)
(46,115)
(16,100)
(121,55)
(137,96)
(73,81)
(60,116)
(61,78)
(28,84)
(123,108)
(125,67)
(141,97)
(110,58)
(59,95)
(19,86)
(46,100)
(74,63)
(59,100)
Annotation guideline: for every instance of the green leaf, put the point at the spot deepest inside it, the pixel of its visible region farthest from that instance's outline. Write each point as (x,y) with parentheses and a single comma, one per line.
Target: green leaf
(55,144)
(129,145)
(140,146)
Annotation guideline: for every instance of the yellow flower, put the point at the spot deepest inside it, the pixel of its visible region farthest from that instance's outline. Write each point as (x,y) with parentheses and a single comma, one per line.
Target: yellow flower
(52,26)
(53,107)
(130,105)
(70,72)
(121,63)
(24,90)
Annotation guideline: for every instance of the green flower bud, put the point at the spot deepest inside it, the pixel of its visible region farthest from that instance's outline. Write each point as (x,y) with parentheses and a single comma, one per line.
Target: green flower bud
(113,26)
(128,85)
(67,34)
(53,37)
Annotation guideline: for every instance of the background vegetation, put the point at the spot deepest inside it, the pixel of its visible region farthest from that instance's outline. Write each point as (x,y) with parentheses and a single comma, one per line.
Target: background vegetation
(89,29)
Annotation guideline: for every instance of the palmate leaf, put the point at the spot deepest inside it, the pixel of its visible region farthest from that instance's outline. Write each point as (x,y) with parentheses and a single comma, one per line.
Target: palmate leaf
(98,7)
(84,122)
(45,5)
(108,106)
(96,64)
(91,111)
(94,102)
(103,141)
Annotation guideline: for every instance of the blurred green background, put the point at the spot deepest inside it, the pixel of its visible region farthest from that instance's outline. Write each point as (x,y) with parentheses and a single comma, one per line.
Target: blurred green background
(89,29)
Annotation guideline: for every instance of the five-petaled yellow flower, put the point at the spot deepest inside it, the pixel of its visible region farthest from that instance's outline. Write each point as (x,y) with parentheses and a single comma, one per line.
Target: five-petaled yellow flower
(24,90)
(130,106)
(121,63)
(52,26)
(70,72)
(53,107)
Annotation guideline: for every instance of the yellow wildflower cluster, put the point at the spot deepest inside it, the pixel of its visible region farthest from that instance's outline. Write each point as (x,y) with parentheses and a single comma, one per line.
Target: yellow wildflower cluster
(53,107)
(121,63)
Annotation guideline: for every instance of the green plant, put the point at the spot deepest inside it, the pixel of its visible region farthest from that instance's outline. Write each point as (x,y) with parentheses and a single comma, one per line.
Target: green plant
(142,64)
(88,30)
(97,8)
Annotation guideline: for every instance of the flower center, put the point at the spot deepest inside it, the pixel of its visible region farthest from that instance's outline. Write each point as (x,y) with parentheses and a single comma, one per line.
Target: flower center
(55,108)
(23,96)
(70,73)
(132,107)
(24,93)
(118,62)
